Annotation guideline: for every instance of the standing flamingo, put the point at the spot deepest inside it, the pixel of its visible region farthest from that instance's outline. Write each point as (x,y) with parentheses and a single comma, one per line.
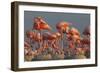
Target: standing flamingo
(40,24)
(33,37)
(62,27)
(73,37)
(27,47)
(86,41)
(30,35)
(58,35)
(49,38)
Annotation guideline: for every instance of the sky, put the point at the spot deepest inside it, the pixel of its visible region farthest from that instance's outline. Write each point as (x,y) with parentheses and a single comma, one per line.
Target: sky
(77,20)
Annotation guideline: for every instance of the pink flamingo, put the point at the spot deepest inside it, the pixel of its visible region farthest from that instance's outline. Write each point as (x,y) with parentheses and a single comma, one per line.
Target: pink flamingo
(62,27)
(40,24)
(51,39)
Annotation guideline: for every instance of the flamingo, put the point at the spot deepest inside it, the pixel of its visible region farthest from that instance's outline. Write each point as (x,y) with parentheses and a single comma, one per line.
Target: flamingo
(49,37)
(74,36)
(62,27)
(29,34)
(51,40)
(27,47)
(86,41)
(40,24)
(58,35)
(34,37)
(74,31)
(28,51)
